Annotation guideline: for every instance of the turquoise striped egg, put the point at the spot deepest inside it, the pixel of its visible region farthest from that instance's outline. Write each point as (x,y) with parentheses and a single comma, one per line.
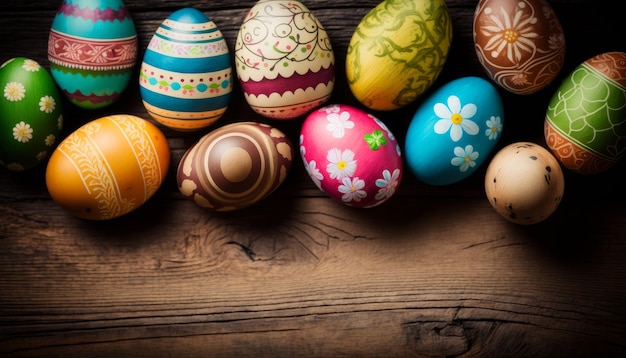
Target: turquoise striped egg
(454,131)
(185,78)
(92,49)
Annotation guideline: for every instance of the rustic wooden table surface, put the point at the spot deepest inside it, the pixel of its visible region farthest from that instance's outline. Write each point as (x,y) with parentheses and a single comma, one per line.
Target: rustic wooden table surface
(435,271)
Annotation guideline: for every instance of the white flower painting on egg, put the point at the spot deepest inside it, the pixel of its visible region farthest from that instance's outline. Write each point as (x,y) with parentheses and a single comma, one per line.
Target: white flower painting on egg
(22,132)
(352,189)
(494,127)
(464,158)
(14,91)
(455,118)
(338,123)
(388,184)
(31,65)
(47,104)
(341,164)
(512,35)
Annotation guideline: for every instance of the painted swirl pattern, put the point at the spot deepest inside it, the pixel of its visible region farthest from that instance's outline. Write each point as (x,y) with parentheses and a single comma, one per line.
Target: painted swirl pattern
(235,166)
(398,51)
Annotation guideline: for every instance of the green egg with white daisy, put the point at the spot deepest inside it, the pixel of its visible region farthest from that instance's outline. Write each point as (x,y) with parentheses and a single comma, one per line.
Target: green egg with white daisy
(454,131)
(31,114)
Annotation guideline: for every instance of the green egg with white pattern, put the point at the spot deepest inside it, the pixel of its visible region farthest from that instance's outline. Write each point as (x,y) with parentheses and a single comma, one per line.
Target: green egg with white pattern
(31,117)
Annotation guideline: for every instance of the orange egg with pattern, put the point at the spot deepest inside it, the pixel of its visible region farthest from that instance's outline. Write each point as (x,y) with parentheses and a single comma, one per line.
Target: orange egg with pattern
(108,167)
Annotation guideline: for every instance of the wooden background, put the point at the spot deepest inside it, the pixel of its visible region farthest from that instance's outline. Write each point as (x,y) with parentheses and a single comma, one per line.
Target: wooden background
(433,272)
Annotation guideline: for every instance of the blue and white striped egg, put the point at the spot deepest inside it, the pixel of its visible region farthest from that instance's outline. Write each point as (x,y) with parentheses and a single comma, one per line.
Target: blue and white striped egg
(454,131)
(185,79)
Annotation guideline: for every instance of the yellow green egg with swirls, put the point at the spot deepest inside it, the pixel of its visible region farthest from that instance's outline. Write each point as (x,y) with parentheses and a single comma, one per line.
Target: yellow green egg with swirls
(397,52)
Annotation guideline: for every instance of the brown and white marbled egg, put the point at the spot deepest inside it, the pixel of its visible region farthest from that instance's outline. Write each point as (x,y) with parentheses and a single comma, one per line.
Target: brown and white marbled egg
(235,166)
(520,43)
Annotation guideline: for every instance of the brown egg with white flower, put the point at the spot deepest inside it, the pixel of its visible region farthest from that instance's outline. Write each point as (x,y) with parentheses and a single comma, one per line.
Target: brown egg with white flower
(520,44)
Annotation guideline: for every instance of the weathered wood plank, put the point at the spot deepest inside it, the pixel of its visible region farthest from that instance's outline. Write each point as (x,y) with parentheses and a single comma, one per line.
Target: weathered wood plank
(277,276)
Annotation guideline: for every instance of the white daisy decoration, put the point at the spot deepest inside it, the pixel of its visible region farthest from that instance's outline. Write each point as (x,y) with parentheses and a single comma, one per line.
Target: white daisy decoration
(50,139)
(455,118)
(338,123)
(494,126)
(465,158)
(60,121)
(22,132)
(314,173)
(31,65)
(341,163)
(47,104)
(352,189)
(14,91)
(387,184)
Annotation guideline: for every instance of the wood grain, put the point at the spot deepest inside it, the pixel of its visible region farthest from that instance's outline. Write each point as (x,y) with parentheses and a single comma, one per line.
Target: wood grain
(435,272)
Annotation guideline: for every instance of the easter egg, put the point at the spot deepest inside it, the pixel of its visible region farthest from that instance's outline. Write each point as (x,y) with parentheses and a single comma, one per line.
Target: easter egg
(351,155)
(108,167)
(397,52)
(284,59)
(235,166)
(31,115)
(519,43)
(185,79)
(454,131)
(524,183)
(92,49)
(585,123)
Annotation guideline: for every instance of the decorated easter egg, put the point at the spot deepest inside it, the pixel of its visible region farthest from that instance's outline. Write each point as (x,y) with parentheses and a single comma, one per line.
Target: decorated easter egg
(397,52)
(454,131)
(284,59)
(185,77)
(524,183)
(108,167)
(585,123)
(31,115)
(92,49)
(235,166)
(519,43)
(351,155)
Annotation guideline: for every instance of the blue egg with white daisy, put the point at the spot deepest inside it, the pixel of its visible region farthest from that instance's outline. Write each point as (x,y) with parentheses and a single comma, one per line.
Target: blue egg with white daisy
(454,131)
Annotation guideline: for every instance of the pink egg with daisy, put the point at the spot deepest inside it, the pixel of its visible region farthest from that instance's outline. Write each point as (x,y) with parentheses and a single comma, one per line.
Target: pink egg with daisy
(351,155)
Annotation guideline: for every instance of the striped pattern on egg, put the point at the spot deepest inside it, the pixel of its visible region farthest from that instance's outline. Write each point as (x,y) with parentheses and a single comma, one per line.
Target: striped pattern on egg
(92,49)
(108,167)
(235,166)
(186,76)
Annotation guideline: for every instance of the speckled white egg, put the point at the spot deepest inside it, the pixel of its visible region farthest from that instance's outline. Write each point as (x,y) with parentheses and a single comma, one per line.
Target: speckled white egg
(351,155)
(524,183)
(284,59)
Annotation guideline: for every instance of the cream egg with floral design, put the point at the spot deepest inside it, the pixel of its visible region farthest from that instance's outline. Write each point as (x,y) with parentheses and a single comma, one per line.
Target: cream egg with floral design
(31,117)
